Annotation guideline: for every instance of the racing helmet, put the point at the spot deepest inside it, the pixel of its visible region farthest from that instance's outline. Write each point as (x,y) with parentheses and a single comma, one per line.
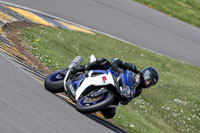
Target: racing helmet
(150,76)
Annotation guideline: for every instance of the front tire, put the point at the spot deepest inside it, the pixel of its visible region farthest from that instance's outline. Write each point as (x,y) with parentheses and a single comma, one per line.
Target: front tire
(54,81)
(89,105)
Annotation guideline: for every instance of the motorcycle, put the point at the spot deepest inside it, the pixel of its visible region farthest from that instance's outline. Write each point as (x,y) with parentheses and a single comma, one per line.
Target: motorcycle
(94,91)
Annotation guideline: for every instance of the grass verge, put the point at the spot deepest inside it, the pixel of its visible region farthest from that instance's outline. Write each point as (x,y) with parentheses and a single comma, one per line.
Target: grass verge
(186,10)
(171,106)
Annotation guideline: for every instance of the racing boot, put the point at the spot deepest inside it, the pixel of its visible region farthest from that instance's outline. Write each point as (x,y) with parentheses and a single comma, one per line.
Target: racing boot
(108,112)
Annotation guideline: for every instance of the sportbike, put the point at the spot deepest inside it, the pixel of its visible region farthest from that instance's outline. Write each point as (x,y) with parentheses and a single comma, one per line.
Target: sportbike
(95,90)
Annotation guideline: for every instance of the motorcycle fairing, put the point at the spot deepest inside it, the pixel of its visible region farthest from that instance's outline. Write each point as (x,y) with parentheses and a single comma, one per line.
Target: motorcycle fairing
(128,78)
(97,80)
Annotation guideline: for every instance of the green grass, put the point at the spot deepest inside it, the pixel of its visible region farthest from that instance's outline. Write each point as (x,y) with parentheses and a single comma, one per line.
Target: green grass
(171,106)
(186,10)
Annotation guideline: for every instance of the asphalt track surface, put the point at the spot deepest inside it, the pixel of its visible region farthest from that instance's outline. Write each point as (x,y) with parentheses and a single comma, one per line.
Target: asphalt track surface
(128,21)
(26,107)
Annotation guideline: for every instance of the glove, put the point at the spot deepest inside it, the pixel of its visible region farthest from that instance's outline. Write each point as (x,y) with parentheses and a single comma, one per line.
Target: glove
(114,66)
(126,92)
(77,69)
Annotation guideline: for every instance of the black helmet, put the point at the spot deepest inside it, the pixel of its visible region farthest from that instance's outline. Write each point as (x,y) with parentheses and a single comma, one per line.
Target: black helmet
(150,76)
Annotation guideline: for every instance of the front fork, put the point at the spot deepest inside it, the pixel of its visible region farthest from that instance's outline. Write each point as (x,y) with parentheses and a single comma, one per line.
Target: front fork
(65,80)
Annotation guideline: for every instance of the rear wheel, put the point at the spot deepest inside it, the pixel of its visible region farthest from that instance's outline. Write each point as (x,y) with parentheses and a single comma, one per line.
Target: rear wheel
(54,81)
(90,105)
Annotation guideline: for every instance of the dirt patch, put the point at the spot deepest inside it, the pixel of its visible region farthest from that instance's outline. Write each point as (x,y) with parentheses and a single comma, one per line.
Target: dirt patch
(13,32)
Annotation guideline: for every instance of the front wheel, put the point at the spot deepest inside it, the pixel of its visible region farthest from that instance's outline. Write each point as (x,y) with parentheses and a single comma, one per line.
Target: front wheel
(54,81)
(90,105)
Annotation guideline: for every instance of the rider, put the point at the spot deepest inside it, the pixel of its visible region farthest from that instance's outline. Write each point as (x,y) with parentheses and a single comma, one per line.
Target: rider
(144,79)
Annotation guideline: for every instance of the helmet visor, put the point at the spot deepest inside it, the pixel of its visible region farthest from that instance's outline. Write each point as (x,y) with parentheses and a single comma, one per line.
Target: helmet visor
(147,79)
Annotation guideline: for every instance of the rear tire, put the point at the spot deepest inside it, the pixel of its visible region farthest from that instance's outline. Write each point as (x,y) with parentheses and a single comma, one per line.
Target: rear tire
(89,107)
(54,82)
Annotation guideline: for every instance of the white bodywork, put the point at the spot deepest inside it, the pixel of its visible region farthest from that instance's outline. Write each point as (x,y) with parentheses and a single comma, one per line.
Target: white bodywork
(99,80)
(96,81)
